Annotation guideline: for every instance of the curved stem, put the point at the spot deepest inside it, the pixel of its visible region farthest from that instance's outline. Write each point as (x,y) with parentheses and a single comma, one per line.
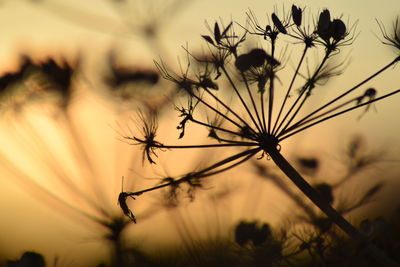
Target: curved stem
(321,203)
(202,173)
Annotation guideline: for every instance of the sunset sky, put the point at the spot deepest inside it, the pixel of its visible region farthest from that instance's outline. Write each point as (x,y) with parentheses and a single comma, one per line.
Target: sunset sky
(68,29)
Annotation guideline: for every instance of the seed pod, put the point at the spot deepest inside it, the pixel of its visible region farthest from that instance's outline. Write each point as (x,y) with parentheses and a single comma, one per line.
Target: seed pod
(208,39)
(296,15)
(257,57)
(338,30)
(324,25)
(278,24)
(242,62)
(217,33)
(370,92)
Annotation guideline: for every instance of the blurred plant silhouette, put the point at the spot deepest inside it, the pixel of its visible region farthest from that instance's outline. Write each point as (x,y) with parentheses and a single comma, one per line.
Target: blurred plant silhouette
(259,119)
(48,89)
(135,19)
(28,259)
(85,199)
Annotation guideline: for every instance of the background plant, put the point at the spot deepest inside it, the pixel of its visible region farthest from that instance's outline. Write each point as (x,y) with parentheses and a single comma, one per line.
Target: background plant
(119,60)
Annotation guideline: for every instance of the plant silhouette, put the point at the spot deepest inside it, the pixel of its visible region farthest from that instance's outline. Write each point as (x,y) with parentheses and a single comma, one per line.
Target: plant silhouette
(263,117)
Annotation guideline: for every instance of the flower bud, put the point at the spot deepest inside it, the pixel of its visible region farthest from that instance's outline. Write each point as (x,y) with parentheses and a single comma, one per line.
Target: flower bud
(338,29)
(324,25)
(296,15)
(257,57)
(243,63)
(278,24)
(370,92)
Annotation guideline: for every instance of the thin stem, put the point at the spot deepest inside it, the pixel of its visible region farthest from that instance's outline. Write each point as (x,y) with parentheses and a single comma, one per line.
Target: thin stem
(298,125)
(200,173)
(228,108)
(252,101)
(350,90)
(263,109)
(208,146)
(289,89)
(305,89)
(215,127)
(220,113)
(321,203)
(271,88)
(231,166)
(337,114)
(241,98)
(159,145)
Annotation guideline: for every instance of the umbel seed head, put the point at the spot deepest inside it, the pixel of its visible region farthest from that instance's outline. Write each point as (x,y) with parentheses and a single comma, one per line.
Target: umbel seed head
(327,29)
(255,58)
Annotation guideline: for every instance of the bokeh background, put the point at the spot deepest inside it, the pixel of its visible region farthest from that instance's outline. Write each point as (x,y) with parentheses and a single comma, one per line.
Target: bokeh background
(61,169)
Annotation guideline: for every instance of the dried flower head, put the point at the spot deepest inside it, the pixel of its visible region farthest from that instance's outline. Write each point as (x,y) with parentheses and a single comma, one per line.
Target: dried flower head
(149,130)
(260,119)
(391,38)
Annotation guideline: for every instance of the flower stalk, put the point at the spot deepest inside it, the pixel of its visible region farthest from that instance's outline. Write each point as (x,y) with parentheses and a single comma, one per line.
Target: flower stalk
(263,126)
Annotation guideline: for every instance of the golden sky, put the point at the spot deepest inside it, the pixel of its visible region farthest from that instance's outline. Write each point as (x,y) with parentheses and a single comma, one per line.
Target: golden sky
(41,139)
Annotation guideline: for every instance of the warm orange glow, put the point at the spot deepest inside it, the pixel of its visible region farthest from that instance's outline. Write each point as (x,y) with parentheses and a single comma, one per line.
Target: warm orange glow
(62,169)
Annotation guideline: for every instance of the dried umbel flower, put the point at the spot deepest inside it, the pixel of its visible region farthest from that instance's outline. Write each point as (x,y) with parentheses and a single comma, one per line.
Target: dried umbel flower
(259,122)
(391,38)
(149,130)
